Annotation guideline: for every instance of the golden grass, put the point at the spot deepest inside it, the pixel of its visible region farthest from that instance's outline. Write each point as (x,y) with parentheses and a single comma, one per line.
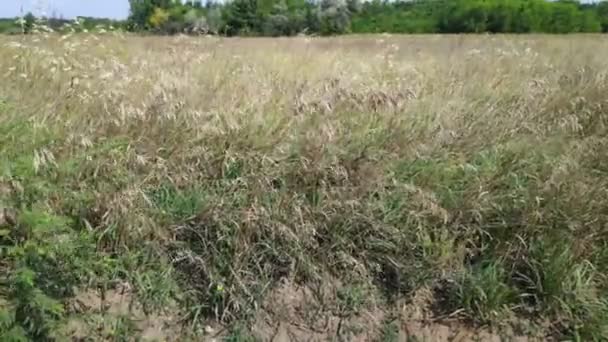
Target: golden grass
(399,162)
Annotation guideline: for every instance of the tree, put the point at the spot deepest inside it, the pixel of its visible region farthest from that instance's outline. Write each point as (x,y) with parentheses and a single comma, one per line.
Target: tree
(311,18)
(353,6)
(590,22)
(28,22)
(215,22)
(602,13)
(334,17)
(195,22)
(142,10)
(329,17)
(177,19)
(564,18)
(278,22)
(241,17)
(195,4)
(158,18)
(500,17)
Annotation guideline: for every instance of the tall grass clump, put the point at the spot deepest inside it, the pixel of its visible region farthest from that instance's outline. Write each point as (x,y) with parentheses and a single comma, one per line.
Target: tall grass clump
(206,172)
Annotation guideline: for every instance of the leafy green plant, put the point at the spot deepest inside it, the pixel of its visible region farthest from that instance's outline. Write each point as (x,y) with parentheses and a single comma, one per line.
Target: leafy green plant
(153,279)
(178,204)
(36,312)
(351,299)
(390,332)
(46,260)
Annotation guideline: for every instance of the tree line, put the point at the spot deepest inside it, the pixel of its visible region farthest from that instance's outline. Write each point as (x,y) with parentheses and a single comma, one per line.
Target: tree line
(328,17)
(331,17)
(29,23)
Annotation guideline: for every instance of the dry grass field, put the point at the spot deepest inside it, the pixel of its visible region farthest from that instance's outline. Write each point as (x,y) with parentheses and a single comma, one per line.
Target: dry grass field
(373,188)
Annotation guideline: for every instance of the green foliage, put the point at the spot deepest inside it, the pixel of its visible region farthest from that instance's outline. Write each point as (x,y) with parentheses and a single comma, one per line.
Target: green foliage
(555,280)
(351,299)
(158,18)
(239,334)
(484,293)
(45,255)
(36,312)
(143,10)
(516,16)
(179,205)
(153,280)
(241,17)
(7,26)
(602,13)
(282,20)
(28,22)
(390,332)
(334,17)
(47,261)
(13,333)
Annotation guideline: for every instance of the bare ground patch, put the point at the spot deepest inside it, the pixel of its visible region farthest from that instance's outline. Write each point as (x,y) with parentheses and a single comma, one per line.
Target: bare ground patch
(291,312)
(298,313)
(101,316)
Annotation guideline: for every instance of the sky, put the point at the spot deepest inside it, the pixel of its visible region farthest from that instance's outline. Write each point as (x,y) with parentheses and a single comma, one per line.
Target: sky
(116,9)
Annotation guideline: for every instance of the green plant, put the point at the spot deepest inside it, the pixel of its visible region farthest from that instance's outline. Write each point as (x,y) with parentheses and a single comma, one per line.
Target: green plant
(239,334)
(351,299)
(153,279)
(390,332)
(178,204)
(484,293)
(122,329)
(36,312)
(556,280)
(46,261)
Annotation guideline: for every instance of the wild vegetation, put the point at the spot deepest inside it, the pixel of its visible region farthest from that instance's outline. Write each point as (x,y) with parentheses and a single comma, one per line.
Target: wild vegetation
(175,187)
(332,17)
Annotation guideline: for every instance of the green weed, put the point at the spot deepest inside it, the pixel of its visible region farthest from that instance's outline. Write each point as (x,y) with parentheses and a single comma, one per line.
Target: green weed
(390,332)
(178,204)
(484,292)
